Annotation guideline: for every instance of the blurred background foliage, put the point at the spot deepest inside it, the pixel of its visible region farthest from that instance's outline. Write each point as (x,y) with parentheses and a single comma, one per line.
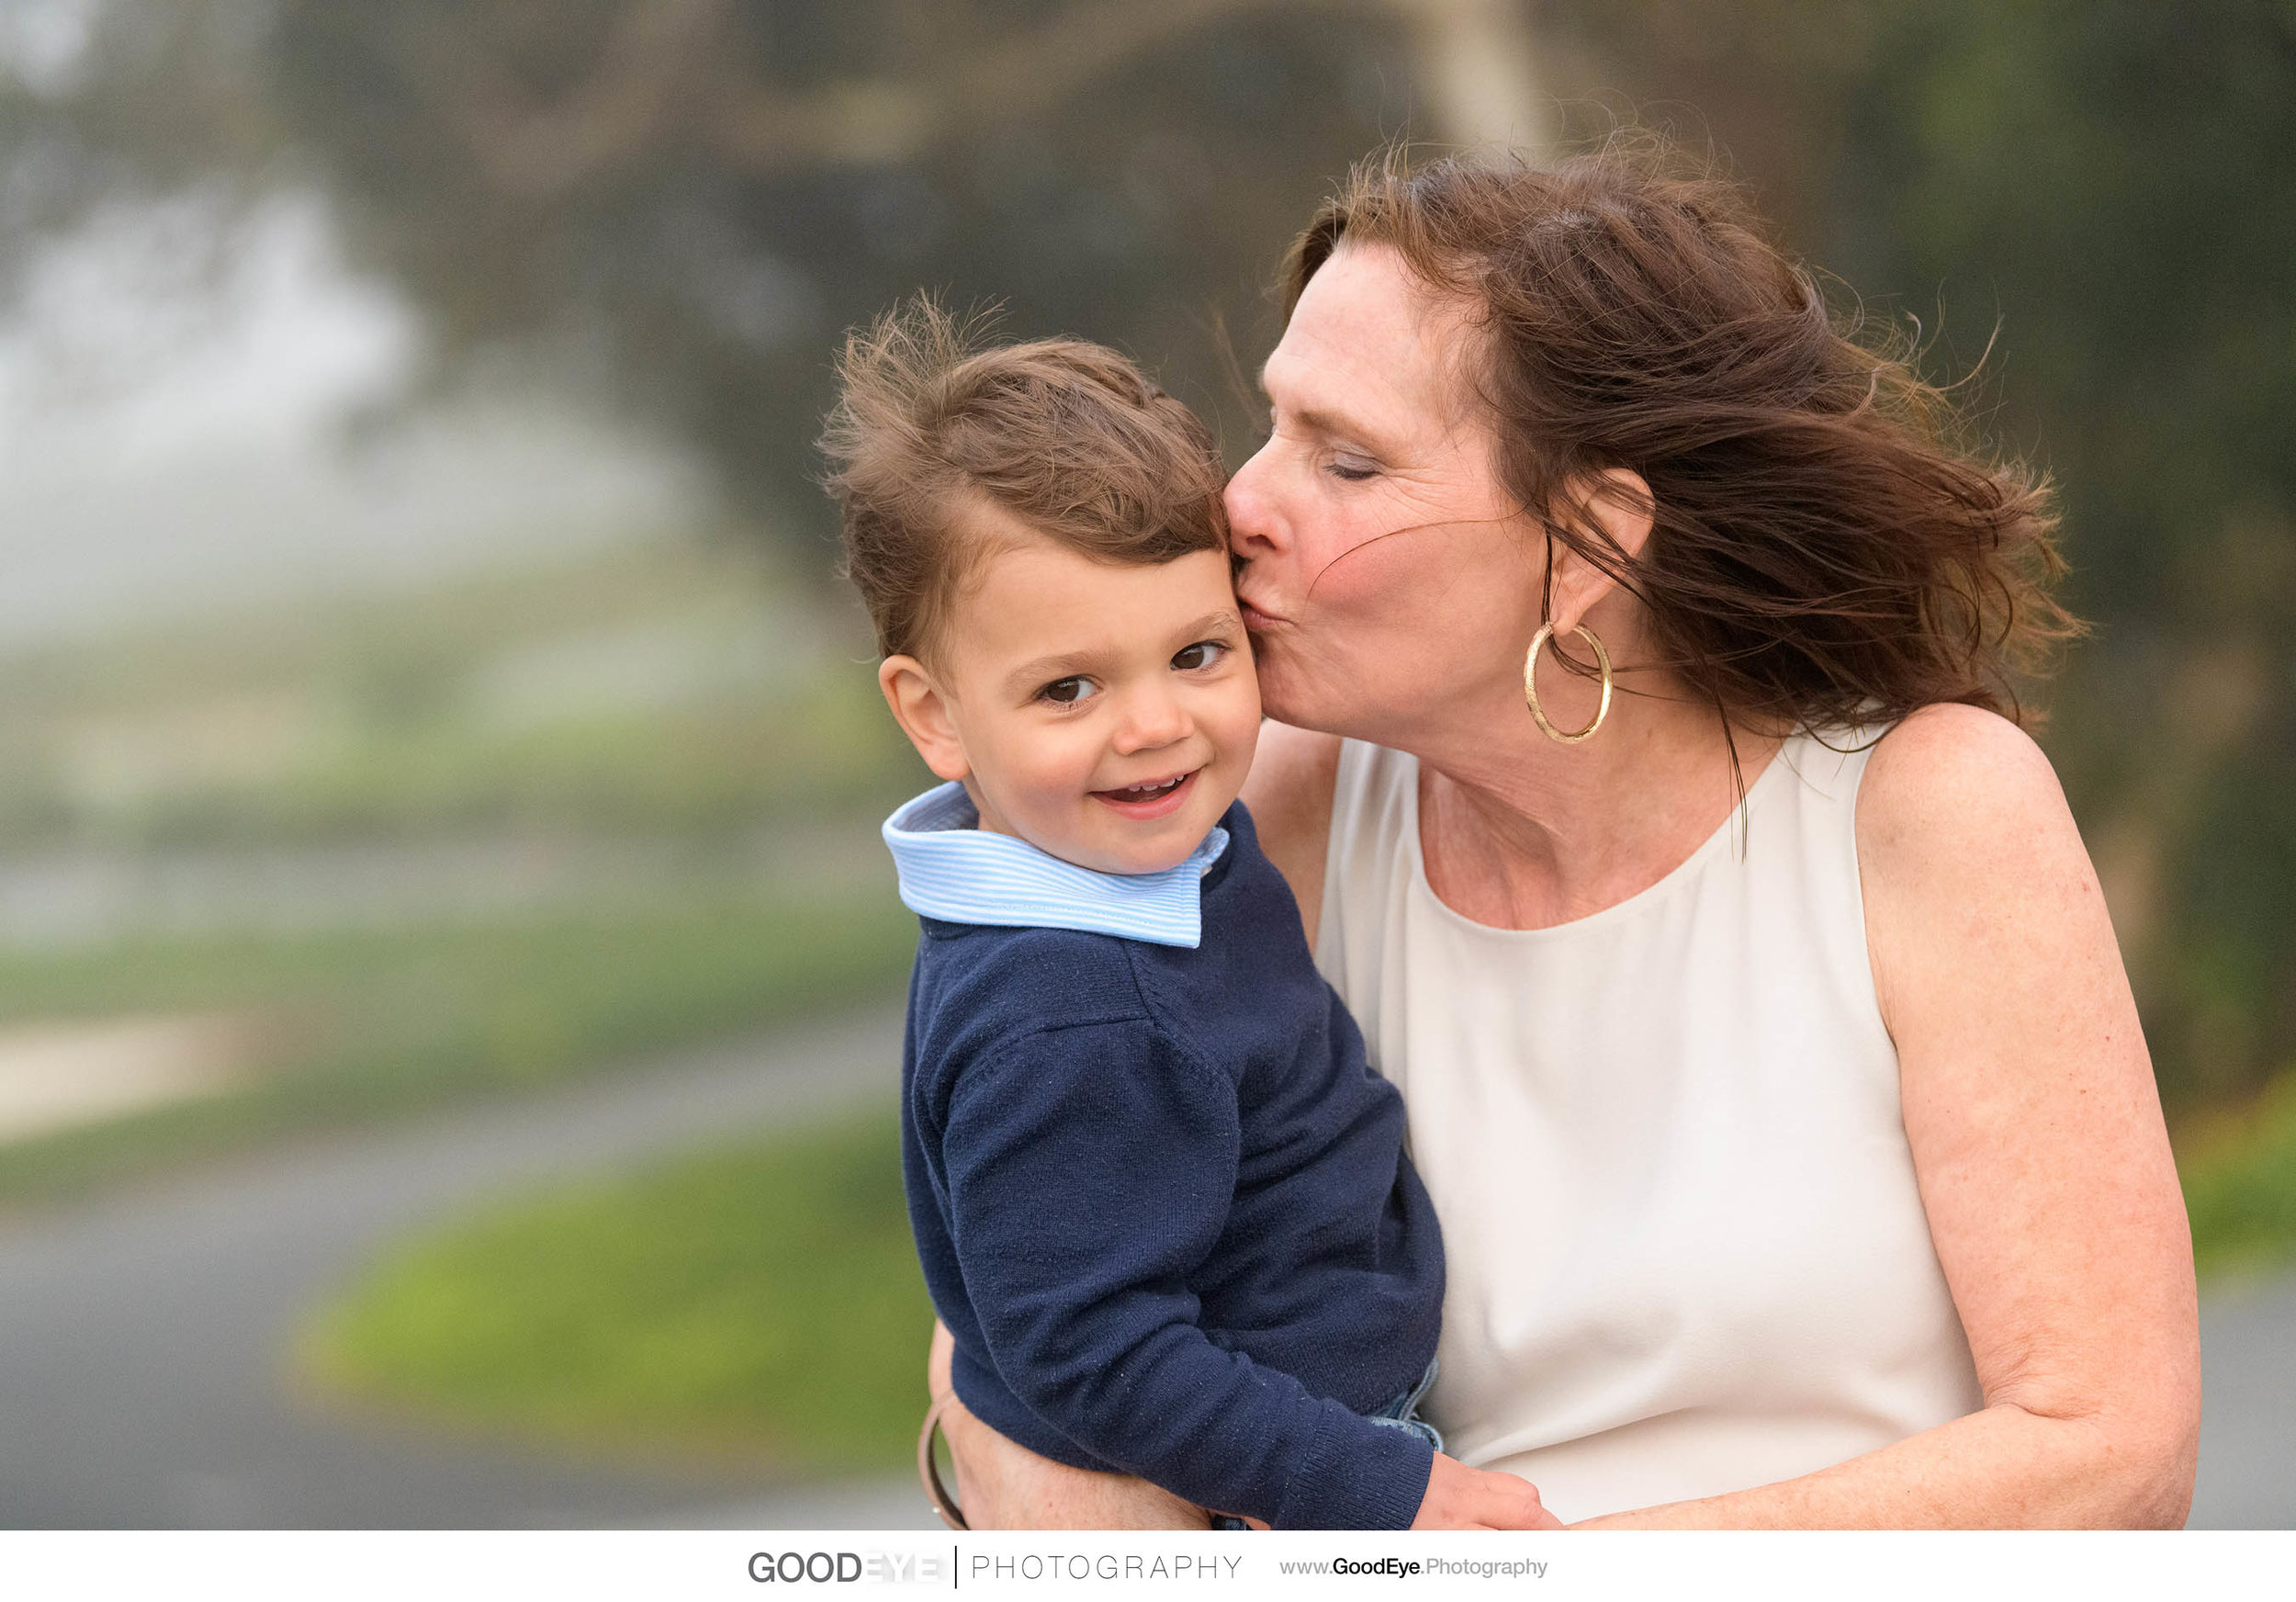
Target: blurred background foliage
(679,204)
(543,815)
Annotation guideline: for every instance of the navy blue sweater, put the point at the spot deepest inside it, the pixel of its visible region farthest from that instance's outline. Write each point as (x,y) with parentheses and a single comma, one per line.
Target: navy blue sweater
(1164,1208)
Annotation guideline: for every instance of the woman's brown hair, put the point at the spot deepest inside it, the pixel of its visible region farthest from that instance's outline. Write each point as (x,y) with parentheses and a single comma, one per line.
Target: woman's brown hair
(1824,551)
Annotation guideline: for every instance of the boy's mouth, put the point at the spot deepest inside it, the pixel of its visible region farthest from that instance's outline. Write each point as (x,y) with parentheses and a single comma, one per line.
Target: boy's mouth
(1157,799)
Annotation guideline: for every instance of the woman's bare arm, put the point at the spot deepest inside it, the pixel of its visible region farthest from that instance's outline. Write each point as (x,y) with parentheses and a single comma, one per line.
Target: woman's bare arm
(2037,1139)
(1003,1485)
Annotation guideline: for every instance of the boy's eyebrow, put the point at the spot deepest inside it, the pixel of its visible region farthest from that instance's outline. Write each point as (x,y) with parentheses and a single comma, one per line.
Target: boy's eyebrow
(1213,622)
(1046,670)
(1042,671)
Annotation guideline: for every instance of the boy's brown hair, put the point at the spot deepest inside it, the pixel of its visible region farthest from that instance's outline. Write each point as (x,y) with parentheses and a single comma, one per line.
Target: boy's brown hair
(932,424)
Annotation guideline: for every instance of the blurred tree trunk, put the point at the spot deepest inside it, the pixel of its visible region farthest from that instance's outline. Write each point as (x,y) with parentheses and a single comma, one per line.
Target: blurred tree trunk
(1478,75)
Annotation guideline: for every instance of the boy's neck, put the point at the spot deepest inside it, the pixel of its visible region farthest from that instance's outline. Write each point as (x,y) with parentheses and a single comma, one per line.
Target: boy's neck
(987,821)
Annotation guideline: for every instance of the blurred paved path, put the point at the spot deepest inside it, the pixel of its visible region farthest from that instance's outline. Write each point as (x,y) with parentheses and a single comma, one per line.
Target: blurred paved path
(2247,1407)
(143,1337)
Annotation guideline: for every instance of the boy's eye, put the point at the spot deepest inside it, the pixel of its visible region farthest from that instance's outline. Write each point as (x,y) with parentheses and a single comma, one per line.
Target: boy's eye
(1066,692)
(1202,654)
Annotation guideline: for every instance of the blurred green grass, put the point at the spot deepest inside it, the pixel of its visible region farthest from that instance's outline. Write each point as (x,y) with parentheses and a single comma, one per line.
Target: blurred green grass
(669,688)
(691,746)
(760,1303)
(765,1302)
(380,1022)
(2239,1173)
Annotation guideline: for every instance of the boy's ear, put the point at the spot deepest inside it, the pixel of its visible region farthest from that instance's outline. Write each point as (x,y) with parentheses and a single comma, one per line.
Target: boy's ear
(921,709)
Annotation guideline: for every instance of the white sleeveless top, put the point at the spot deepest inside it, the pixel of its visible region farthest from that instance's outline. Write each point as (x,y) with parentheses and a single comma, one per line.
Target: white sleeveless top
(1686,1252)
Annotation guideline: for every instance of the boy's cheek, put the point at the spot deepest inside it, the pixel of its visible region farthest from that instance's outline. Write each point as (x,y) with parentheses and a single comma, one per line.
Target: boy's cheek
(1052,772)
(1240,722)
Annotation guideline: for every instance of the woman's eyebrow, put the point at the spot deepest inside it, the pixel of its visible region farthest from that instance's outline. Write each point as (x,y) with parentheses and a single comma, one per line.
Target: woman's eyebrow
(1318,421)
(1322,420)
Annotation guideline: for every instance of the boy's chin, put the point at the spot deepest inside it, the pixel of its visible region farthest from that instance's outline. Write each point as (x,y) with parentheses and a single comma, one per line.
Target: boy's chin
(1159,864)
(1129,862)
(1164,851)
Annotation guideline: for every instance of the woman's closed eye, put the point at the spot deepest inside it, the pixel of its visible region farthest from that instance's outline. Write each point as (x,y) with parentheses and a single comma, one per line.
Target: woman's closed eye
(1353,469)
(1069,691)
(1203,654)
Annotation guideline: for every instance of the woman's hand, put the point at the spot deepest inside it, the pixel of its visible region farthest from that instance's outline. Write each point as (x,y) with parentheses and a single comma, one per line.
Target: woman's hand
(1001,1485)
(1460,1497)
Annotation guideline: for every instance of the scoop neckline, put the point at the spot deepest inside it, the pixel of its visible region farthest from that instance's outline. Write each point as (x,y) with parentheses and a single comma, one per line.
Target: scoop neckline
(1656,890)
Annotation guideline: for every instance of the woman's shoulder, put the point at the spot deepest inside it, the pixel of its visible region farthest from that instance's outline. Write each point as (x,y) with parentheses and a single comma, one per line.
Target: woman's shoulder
(1290,794)
(1962,830)
(1950,774)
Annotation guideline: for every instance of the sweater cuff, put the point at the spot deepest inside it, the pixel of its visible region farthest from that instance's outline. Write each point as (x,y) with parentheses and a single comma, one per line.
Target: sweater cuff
(1357,1475)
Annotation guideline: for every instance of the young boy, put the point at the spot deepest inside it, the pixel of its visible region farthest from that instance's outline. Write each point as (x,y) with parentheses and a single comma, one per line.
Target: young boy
(1162,1203)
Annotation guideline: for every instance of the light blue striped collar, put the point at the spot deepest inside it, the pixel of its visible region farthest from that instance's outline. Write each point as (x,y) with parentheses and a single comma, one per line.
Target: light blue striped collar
(954,870)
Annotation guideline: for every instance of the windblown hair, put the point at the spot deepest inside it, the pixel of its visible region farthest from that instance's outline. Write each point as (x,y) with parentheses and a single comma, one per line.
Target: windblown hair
(1824,551)
(931,424)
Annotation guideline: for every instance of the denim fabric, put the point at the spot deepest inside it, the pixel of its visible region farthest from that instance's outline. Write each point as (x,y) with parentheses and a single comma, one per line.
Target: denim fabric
(1403,1412)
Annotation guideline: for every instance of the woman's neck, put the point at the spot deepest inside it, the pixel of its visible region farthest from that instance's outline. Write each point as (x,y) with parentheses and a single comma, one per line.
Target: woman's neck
(1520,832)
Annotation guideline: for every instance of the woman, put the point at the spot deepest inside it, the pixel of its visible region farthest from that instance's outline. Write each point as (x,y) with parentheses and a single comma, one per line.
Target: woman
(1652,794)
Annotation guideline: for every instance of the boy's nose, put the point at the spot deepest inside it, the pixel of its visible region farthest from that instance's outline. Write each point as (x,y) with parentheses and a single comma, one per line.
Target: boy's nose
(1150,720)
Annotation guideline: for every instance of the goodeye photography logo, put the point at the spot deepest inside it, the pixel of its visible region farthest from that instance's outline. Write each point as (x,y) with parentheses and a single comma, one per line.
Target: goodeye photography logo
(830,1568)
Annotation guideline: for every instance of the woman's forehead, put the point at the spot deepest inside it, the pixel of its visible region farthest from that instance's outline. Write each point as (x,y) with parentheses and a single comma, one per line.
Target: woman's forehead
(1369,342)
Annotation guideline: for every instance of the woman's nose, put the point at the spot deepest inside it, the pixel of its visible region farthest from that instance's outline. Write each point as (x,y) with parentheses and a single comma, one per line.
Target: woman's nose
(1252,526)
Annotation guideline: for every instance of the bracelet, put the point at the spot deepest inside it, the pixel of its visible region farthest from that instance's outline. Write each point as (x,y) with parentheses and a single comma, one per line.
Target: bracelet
(930,1471)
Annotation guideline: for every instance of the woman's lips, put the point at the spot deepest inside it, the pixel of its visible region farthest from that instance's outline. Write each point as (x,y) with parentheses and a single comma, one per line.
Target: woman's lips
(1146,806)
(1255,618)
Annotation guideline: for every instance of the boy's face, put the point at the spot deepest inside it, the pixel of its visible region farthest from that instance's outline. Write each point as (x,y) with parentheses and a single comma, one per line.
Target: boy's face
(1103,713)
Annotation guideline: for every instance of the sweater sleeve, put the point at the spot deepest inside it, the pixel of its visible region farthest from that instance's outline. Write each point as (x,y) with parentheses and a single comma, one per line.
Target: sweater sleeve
(1090,1171)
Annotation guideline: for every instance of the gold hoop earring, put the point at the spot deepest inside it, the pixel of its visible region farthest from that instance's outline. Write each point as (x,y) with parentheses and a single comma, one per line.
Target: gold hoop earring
(1530,685)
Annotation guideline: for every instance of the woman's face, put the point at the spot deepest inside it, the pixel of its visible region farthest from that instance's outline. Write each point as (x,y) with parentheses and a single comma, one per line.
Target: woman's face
(1385,576)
